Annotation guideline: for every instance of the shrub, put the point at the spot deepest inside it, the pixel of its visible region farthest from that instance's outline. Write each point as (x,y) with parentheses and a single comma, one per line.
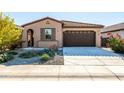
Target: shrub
(28,55)
(46,50)
(104,42)
(12,53)
(116,43)
(45,57)
(2,58)
(9,57)
(5,57)
(50,52)
(60,52)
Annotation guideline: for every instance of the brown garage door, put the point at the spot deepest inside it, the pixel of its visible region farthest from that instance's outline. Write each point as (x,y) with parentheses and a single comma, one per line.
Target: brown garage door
(79,38)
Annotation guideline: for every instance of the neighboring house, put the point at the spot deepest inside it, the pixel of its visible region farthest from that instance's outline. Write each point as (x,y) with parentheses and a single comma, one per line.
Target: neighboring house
(19,27)
(47,32)
(117,28)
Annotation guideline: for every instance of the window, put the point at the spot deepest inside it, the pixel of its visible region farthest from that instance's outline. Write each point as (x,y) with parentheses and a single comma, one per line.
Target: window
(48,34)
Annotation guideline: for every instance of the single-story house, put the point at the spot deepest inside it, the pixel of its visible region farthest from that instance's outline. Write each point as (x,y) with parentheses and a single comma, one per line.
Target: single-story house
(48,31)
(113,29)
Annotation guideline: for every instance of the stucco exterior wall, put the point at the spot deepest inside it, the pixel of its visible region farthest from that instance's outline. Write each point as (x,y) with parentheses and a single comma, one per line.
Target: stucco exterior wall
(48,23)
(97,30)
(120,32)
(45,44)
(36,27)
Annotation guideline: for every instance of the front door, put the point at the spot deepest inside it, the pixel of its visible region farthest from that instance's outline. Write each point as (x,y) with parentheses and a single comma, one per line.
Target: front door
(30,38)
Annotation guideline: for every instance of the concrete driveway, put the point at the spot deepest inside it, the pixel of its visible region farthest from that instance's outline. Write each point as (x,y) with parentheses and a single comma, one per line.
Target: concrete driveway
(91,56)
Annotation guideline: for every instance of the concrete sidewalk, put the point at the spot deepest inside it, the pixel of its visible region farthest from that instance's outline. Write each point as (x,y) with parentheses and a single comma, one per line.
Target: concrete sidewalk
(61,72)
(93,61)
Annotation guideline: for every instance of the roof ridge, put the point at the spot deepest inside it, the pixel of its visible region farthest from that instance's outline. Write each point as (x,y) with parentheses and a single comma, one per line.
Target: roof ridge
(61,21)
(79,22)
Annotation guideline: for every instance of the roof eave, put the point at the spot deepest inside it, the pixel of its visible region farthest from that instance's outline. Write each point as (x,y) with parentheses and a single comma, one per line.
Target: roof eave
(83,26)
(41,20)
(112,30)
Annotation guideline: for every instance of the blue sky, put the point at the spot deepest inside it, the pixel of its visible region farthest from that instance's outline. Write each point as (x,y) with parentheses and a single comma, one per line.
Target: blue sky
(88,17)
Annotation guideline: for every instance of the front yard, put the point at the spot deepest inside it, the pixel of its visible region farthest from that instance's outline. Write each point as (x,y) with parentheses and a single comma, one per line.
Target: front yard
(35,57)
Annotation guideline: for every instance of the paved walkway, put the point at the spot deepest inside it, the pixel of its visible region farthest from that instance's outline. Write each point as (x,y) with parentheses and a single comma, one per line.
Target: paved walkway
(58,73)
(93,61)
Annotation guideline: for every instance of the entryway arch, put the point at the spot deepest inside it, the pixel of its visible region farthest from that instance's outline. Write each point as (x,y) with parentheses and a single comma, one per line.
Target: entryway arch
(30,38)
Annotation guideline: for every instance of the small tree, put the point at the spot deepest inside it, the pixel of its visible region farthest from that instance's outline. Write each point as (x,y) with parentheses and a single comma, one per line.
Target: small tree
(9,33)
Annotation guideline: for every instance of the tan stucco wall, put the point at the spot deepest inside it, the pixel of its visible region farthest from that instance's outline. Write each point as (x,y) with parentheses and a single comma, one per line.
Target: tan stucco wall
(45,44)
(36,27)
(97,30)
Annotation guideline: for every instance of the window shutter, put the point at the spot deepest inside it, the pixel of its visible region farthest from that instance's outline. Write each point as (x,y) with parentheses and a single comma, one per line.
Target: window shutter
(53,34)
(42,34)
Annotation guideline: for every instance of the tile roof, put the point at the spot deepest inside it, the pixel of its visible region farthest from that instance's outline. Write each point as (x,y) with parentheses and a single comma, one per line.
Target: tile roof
(35,21)
(115,27)
(67,23)
(79,24)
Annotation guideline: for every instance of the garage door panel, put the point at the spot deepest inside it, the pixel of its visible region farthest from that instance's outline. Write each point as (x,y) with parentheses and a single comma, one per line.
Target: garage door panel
(79,38)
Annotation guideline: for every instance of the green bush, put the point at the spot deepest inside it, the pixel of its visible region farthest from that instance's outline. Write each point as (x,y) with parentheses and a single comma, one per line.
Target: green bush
(116,44)
(60,52)
(50,52)
(45,57)
(12,53)
(2,59)
(5,57)
(28,55)
(9,57)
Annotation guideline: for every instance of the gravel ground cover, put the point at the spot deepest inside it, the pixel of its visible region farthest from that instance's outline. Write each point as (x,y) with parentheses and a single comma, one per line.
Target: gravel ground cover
(56,60)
